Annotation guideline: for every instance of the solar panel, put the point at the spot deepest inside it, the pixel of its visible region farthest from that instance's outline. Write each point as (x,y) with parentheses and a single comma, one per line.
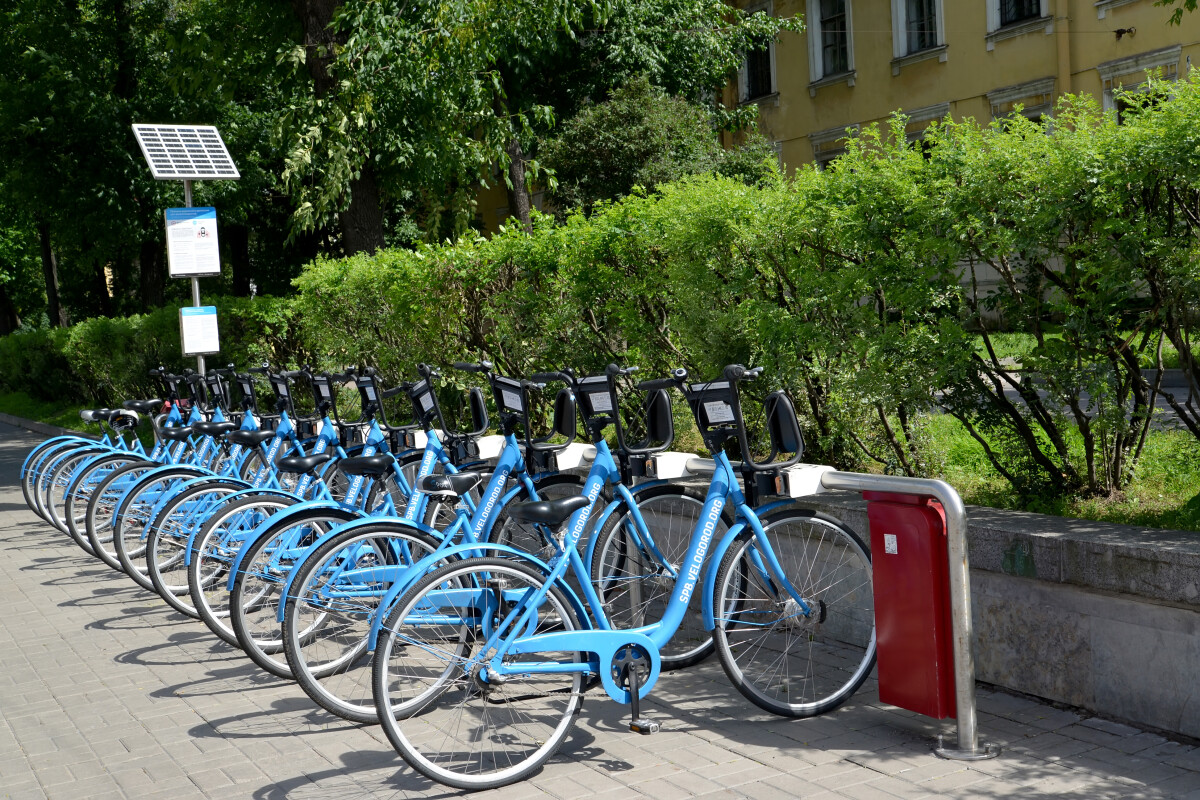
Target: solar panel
(185,152)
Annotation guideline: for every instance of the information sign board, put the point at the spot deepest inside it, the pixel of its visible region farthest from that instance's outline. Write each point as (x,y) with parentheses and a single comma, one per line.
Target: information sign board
(198,330)
(192,250)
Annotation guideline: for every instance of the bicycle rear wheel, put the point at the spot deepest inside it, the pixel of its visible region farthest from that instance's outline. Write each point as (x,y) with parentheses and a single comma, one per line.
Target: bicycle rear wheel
(102,509)
(334,597)
(213,551)
(437,706)
(258,587)
(167,545)
(783,660)
(79,493)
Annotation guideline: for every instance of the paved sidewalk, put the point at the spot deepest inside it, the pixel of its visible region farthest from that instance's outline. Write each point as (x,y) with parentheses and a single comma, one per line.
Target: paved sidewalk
(105,693)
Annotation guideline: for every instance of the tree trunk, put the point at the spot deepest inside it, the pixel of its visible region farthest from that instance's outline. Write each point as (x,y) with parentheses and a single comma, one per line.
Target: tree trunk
(518,194)
(10,320)
(362,220)
(99,279)
(54,309)
(237,242)
(150,269)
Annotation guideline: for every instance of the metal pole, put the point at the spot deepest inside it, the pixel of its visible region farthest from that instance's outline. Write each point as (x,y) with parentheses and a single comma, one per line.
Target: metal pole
(187,202)
(968,748)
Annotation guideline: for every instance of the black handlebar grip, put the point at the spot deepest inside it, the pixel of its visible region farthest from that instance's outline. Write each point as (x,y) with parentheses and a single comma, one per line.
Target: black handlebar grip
(543,378)
(482,366)
(296,373)
(658,383)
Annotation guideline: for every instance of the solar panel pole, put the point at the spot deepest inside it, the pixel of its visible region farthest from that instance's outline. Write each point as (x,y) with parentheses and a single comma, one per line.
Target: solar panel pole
(187,202)
(186,153)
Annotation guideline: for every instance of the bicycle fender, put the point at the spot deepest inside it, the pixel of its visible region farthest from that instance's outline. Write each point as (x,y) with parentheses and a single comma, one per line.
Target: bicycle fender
(762,511)
(710,574)
(465,551)
(349,526)
(641,487)
(280,516)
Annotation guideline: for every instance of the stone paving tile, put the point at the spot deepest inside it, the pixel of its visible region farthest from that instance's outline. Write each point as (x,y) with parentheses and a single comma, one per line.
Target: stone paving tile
(105,692)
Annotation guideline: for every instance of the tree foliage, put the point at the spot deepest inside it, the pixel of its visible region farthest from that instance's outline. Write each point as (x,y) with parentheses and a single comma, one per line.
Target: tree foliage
(640,136)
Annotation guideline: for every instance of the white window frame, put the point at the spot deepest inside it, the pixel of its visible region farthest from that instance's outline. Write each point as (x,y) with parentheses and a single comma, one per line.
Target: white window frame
(1103,6)
(816,66)
(1042,88)
(900,29)
(744,73)
(996,33)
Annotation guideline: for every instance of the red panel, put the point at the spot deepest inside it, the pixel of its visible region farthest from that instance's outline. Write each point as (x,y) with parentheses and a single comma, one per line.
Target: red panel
(912,603)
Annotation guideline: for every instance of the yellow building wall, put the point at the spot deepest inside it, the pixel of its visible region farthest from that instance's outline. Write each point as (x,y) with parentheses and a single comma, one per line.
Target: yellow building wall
(1068,45)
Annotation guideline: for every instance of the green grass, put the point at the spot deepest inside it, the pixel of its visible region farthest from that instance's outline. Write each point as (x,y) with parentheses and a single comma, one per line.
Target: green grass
(20,404)
(1165,492)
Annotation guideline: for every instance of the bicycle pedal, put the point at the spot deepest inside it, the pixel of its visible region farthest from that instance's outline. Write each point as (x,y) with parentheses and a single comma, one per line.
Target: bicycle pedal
(644,726)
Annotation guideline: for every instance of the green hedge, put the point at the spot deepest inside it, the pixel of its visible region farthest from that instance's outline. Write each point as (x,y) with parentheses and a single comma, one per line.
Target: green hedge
(863,290)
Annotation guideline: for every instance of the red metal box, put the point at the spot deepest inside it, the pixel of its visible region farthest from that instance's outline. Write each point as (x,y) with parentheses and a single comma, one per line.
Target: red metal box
(912,603)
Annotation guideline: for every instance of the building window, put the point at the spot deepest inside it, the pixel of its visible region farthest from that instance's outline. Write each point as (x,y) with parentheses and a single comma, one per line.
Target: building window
(835,51)
(916,31)
(1013,11)
(1007,19)
(830,42)
(1130,74)
(829,144)
(757,75)
(1035,99)
(920,25)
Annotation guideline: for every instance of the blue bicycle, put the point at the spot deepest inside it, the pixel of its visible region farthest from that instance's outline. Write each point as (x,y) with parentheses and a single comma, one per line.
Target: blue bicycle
(482,664)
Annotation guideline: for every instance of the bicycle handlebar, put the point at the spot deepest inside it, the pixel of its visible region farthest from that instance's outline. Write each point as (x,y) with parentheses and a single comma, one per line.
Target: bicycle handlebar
(482,366)
(678,377)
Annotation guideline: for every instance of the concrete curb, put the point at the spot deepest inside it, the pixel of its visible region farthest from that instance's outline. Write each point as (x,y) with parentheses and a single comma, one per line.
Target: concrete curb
(41,427)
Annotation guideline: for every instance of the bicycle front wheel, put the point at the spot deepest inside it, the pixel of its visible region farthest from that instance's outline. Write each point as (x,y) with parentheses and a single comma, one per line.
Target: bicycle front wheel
(784,660)
(434,699)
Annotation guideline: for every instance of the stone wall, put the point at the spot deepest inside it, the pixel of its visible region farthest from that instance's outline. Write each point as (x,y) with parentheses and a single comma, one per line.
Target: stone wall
(1104,617)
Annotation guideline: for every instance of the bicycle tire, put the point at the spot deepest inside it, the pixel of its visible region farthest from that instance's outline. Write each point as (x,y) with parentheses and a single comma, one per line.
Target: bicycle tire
(102,508)
(327,617)
(258,586)
(212,554)
(30,468)
(452,726)
(133,518)
(783,661)
(167,544)
(54,487)
(80,491)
